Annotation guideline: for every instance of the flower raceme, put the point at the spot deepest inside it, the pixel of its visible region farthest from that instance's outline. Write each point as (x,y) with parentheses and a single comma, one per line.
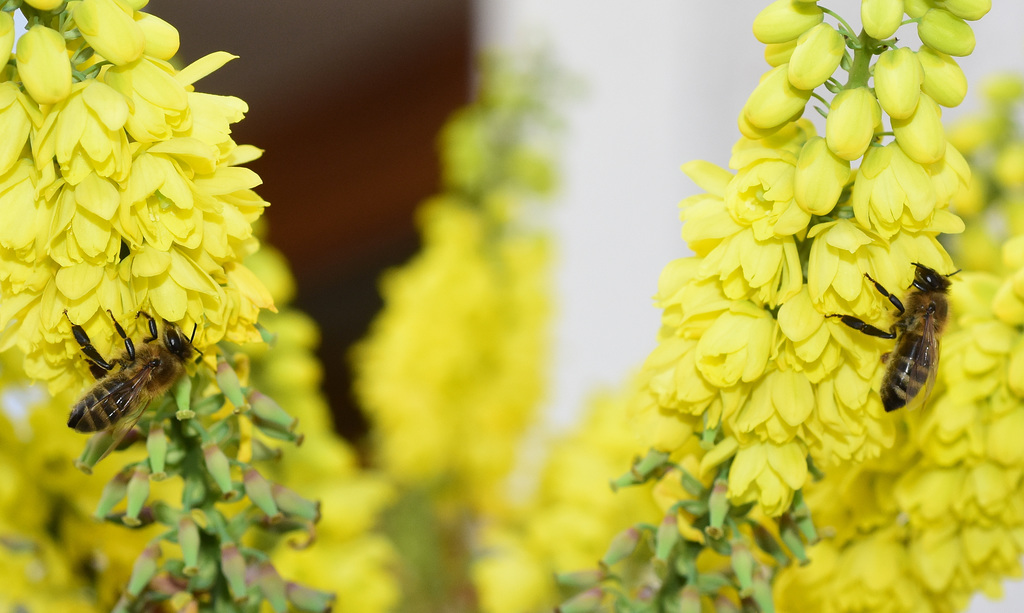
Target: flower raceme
(123,190)
(785,240)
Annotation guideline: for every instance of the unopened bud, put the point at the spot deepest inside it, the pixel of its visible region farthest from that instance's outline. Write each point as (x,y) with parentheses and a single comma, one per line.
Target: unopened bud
(110,30)
(581,579)
(742,565)
(777,54)
(162,40)
(143,570)
(189,540)
(43,65)
(272,586)
(945,32)
(258,490)
(851,122)
(233,566)
(227,380)
(94,449)
(943,80)
(622,546)
(784,20)
(762,591)
(138,492)
(308,599)
(293,504)
(898,78)
(775,100)
(921,135)
(113,492)
(817,55)
(183,399)
(881,18)
(820,177)
(268,414)
(156,446)
(666,537)
(219,468)
(971,10)
(791,537)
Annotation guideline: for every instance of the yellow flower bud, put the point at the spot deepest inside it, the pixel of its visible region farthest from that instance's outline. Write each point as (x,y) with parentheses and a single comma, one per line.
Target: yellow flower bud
(945,32)
(6,37)
(110,30)
(135,5)
(777,54)
(817,55)
(161,37)
(775,101)
(44,5)
(943,79)
(750,131)
(784,20)
(971,10)
(881,18)
(851,121)
(921,135)
(898,78)
(820,177)
(916,8)
(43,65)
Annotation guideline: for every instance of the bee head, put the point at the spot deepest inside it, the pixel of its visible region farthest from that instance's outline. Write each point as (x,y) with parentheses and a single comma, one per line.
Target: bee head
(928,280)
(176,342)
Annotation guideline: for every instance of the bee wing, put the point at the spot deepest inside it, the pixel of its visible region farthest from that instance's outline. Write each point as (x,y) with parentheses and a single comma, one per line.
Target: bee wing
(128,398)
(924,357)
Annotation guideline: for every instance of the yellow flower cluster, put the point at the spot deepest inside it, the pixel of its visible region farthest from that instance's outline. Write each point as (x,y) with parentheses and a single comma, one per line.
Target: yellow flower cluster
(747,347)
(571,517)
(451,375)
(452,372)
(347,557)
(937,518)
(120,188)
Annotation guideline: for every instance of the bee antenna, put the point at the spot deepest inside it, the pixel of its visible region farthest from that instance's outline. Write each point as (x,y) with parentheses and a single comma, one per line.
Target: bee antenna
(196,327)
(954,272)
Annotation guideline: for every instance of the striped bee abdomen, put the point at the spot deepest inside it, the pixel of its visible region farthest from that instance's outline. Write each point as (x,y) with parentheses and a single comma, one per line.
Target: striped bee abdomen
(102,406)
(908,371)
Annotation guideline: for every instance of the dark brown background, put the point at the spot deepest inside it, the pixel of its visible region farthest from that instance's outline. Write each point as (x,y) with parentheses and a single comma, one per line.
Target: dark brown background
(346,98)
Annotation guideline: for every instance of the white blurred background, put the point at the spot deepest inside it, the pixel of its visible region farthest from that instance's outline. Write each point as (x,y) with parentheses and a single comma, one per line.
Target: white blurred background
(665,82)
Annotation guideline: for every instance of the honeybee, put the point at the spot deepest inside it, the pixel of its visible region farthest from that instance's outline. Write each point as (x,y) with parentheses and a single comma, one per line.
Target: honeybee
(912,365)
(125,386)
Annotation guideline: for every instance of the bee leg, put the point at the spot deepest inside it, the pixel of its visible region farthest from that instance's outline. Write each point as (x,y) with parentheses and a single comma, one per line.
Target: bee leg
(98,372)
(199,358)
(152,326)
(893,299)
(97,365)
(885,357)
(865,327)
(129,346)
